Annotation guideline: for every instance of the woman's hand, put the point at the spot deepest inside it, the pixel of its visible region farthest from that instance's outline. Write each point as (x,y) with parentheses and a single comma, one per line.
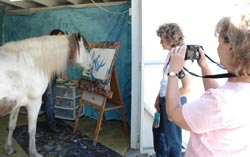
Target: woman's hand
(202,62)
(157,103)
(177,60)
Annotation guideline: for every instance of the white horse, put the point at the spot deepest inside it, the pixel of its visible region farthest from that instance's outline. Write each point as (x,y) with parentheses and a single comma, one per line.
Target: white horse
(26,68)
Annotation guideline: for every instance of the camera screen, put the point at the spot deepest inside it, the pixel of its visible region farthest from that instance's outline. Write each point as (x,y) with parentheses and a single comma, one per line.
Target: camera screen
(190,53)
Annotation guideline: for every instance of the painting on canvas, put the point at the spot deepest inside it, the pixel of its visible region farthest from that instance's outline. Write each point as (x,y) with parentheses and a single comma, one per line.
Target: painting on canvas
(101,62)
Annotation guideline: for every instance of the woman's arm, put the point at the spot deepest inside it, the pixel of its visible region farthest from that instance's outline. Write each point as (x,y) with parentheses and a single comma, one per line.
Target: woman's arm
(173,104)
(205,70)
(185,85)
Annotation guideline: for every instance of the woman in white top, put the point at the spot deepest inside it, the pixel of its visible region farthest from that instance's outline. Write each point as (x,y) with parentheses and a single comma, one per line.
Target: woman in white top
(167,138)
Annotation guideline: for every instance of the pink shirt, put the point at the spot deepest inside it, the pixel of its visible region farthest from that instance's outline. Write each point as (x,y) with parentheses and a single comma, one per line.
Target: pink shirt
(220,122)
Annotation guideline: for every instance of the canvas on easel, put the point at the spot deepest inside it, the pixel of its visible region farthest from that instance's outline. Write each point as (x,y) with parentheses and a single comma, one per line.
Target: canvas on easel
(101,86)
(102,59)
(103,55)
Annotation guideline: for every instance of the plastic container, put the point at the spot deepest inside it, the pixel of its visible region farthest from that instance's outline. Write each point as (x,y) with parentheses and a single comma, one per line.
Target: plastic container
(156,122)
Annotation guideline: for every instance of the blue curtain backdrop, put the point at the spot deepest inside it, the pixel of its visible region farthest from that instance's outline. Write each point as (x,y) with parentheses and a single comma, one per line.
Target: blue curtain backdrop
(1,24)
(112,23)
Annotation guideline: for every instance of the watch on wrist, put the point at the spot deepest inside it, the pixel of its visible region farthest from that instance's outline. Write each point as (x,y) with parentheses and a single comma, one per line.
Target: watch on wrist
(172,74)
(180,75)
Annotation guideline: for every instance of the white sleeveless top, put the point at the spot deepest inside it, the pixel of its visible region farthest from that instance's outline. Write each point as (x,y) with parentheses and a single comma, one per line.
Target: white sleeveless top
(164,81)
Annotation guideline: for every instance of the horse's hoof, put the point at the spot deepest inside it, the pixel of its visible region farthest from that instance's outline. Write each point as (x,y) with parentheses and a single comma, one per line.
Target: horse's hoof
(9,150)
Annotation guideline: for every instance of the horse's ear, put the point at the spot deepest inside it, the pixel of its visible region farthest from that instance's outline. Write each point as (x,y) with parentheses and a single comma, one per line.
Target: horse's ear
(78,36)
(85,42)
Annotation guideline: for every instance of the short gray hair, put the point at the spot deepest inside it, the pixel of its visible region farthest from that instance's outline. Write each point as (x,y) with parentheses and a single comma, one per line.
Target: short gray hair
(172,33)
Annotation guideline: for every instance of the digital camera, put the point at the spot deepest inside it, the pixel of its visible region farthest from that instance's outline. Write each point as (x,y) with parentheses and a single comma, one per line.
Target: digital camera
(192,52)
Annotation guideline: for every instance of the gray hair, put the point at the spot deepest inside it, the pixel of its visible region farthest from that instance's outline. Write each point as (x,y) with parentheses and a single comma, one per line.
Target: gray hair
(172,33)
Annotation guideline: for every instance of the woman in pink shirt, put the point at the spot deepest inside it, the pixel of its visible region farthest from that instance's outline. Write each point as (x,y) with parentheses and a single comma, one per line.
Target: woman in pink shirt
(219,121)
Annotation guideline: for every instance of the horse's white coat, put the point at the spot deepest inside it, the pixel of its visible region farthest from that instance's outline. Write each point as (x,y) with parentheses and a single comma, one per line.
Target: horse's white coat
(26,68)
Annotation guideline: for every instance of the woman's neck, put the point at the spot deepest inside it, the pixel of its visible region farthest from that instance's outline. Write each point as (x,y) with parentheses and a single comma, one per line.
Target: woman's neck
(245,79)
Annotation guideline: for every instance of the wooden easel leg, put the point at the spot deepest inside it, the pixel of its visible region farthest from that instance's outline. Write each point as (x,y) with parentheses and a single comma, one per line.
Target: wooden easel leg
(104,119)
(77,117)
(125,125)
(98,125)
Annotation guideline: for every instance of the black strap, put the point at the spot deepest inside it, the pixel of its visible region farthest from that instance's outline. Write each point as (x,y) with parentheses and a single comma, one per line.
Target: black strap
(219,65)
(225,75)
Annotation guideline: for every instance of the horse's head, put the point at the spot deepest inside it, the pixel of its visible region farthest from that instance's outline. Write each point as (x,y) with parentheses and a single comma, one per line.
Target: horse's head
(82,57)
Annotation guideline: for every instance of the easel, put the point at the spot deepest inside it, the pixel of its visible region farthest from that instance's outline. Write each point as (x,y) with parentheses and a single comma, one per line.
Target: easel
(115,99)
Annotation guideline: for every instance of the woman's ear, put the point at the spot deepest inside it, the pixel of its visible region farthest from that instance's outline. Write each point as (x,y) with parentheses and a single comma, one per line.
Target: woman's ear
(230,49)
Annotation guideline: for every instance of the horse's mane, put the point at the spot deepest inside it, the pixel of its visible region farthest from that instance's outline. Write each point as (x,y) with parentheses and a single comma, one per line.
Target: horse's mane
(49,54)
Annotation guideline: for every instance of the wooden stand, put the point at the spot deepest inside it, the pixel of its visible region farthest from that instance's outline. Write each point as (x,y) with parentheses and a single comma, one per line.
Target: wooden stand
(115,99)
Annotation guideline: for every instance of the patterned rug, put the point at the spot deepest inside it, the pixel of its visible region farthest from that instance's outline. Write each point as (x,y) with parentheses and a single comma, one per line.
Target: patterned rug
(64,144)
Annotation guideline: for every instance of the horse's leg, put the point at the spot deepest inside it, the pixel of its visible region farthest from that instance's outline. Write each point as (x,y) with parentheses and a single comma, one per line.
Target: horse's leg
(33,111)
(12,125)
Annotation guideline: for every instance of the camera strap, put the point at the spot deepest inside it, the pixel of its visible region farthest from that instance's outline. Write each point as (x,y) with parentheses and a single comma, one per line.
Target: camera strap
(224,75)
(219,65)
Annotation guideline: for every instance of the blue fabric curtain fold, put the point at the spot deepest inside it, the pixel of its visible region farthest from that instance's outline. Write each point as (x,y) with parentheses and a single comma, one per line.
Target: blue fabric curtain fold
(1,24)
(112,23)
